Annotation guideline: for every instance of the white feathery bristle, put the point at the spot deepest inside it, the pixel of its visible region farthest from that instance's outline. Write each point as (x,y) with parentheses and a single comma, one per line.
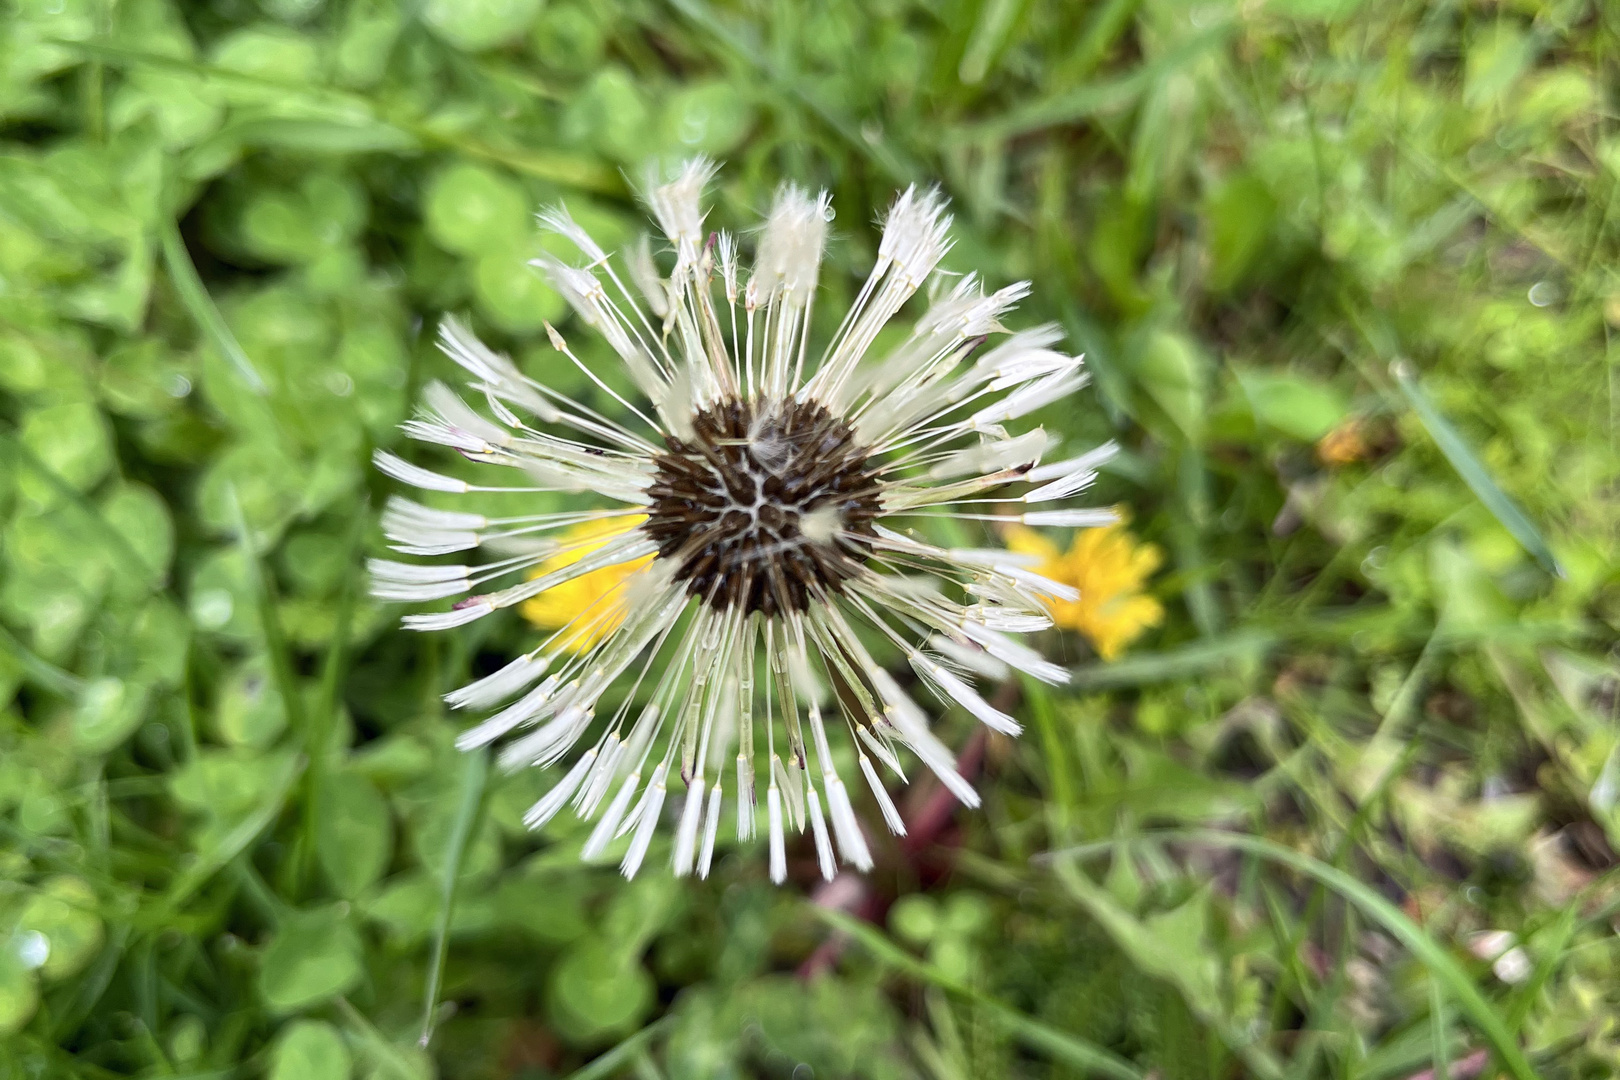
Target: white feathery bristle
(557,219)
(726,249)
(646,822)
(916,233)
(773,816)
(644,272)
(970,657)
(1090,461)
(711,827)
(519,712)
(608,826)
(934,754)
(851,841)
(1022,657)
(891,815)
(992,455)
(1090,518)
(1039,584)
(684,854)
(416,476)
(1033,395)
(554,800)
(1063,487)
(964,695)
(416,581)
(549,742)
(678,205)
(789,785)
(824,851)
(499,685)
(789,260)
(602,774)
(745,799)
(448,620)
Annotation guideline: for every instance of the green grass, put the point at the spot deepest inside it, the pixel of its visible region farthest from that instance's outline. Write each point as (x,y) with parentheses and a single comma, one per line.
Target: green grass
(1379,721)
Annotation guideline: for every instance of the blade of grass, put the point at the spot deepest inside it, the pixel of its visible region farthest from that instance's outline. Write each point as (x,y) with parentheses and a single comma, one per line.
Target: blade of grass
(1417,941)
(40,671)
(388,1058)
(1103,95)
(621,1055)
(1441,1053)
(1059,1045)
(194,295)
(275,645)
(1557,938)
(880,152)
(1472,470)
(325,719)
(1142,669)
(1054,754)
(234,842)
(473,779)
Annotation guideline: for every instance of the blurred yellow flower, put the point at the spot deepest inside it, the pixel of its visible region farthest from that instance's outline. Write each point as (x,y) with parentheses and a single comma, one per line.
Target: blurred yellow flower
(1108,566)
(561,604)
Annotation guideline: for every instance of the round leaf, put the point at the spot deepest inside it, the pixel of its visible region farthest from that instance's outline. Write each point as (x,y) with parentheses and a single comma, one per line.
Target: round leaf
(353,833)
(309,1050)
(472,209)
(314,956)
(63,911)
(473,25)
(596,994)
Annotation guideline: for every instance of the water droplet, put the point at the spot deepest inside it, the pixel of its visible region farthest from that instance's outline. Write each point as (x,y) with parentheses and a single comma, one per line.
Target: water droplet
(33,949)
(212,608)
(176,385)
(1543,293)
(340,384)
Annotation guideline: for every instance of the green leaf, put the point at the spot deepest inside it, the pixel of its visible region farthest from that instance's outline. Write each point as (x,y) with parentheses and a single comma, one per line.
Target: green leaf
(1472,470)
(1173,372)
(1302,408)
(309,1050)
(141,516)
(64,912)
(1241,214)
(353,833)
(314,956)
(250,711)
(72,441)
(475,25)
(19,991)
(108,712)
(472,209)
(705,118)
(273,774)
(1172,945)
(512,295)
(596,994)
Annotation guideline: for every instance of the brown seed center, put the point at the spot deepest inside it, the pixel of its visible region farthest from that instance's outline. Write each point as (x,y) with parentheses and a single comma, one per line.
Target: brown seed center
(767,505)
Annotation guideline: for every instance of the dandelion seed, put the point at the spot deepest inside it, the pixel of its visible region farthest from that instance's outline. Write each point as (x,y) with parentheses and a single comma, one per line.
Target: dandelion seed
(757,530)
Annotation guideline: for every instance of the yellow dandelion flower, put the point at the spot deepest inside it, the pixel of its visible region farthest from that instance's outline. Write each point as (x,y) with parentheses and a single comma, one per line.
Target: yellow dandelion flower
(1108,566)
(598,595)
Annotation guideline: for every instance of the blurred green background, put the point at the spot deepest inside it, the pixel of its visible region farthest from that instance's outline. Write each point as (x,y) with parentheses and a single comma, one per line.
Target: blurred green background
(1345,273)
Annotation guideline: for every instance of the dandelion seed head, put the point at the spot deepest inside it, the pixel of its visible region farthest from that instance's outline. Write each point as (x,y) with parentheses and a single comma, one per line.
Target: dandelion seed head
(713,566)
